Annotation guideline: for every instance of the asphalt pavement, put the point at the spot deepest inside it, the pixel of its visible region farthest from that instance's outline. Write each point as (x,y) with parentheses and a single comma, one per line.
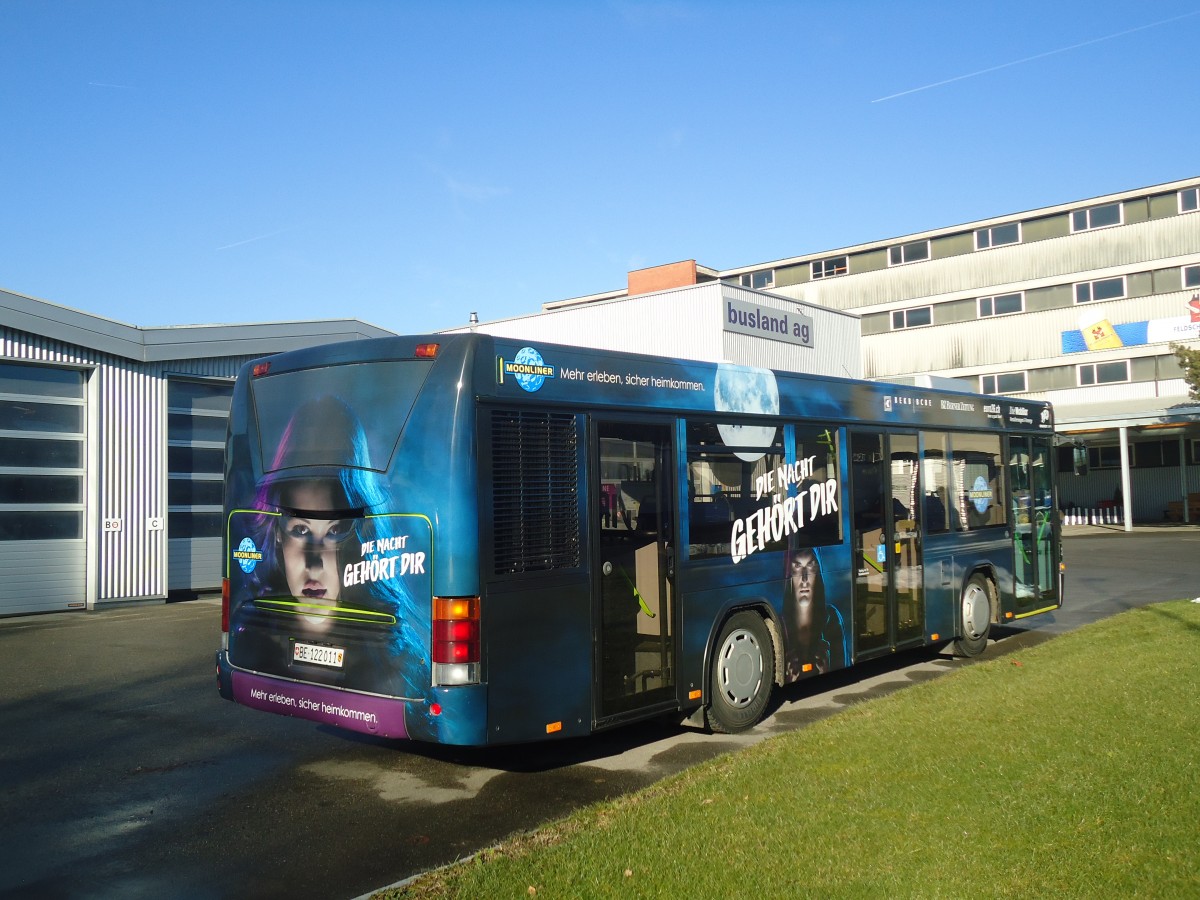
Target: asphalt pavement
(124,775)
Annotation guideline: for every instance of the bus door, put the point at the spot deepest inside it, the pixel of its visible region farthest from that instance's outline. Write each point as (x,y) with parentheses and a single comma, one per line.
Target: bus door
(1035,566)
(889,596)
(633,489)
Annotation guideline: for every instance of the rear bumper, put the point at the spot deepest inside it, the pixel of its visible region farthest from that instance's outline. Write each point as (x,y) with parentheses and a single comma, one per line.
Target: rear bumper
(364,713)
(451,715)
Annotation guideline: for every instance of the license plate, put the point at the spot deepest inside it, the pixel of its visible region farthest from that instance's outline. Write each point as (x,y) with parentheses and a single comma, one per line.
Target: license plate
(318,655)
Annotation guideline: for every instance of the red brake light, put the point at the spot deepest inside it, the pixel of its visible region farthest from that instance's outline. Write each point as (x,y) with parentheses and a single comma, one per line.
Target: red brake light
(225,605)
(260,369)
(427,351)
(456,630)
(454,653)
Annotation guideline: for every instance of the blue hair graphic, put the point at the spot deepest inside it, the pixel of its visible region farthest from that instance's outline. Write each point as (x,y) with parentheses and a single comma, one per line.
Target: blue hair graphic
(324,432)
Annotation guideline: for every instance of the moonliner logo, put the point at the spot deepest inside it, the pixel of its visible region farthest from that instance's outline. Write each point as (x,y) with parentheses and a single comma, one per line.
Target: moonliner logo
(527,369)
(980,494)
(247,555)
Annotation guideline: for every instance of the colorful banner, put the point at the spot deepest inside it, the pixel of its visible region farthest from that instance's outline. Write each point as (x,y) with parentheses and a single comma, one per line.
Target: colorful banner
(1097,332)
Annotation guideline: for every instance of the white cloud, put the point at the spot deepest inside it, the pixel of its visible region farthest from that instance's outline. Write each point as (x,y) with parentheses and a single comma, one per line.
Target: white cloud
(478,193)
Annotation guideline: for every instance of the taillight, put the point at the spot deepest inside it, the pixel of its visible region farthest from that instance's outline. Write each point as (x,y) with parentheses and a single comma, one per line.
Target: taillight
(260,369)
(456,653)
(427,351)
(225,606)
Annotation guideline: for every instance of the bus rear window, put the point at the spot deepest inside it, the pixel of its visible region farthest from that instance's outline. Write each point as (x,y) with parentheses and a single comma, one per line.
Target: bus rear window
(349,415)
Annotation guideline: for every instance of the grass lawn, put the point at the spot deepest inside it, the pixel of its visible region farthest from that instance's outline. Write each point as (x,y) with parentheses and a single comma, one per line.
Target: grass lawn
(1072,769)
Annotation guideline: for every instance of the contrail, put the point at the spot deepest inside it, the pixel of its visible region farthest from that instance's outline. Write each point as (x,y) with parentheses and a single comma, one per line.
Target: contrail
(124,87)
(261,237)
(1018,62)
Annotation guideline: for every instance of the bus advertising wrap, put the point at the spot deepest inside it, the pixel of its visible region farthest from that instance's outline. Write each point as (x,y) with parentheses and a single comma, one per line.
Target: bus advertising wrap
(330,586)
(475,540)
(579,375)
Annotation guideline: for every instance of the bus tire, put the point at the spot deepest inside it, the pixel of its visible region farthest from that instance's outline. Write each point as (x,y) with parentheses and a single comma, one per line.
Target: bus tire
(743,673)
(975,615)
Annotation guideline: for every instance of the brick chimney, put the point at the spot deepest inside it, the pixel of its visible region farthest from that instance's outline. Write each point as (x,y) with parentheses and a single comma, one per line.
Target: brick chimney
(672,275)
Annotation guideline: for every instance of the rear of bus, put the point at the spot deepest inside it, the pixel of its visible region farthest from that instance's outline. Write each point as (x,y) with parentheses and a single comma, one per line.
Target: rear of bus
(348,468)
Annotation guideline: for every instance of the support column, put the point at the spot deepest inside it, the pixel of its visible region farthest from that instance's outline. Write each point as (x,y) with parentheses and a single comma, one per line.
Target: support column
(1183,479)
(1126,499)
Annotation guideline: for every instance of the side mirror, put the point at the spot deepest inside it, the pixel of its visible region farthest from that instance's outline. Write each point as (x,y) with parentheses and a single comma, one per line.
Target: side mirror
(1079,457)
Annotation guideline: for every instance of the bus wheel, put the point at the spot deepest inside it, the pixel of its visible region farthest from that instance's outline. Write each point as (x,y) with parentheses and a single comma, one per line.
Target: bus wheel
(743,673)
(975,612)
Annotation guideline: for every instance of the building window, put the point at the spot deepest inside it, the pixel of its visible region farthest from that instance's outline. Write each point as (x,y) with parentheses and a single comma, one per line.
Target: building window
(1155,454)
(1189,200)
(1001,305)
(1191,276)
(912,318)
(827,268)
(1096,217)
(1003,383)
(1103,289)
(1106,456)
(902,254)
(1142,455)
(998,236)
(758,280)
(197,419)
(1104,373)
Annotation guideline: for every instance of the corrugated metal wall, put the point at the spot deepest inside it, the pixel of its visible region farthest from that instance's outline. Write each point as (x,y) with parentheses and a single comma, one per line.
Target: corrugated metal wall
(836,349)
(687,323)
(1150,490)
(667,324)
(1034,337)
(1019,340)
(127,453)
(132,481)
(991,271)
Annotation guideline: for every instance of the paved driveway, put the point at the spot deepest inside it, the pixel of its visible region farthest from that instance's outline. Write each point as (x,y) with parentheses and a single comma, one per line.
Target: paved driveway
(124,775)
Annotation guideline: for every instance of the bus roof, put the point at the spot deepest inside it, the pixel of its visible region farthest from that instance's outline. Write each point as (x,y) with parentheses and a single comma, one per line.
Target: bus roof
(512,370)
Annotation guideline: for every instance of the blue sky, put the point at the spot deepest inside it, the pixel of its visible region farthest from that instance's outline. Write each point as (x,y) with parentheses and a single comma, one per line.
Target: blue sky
(403,163)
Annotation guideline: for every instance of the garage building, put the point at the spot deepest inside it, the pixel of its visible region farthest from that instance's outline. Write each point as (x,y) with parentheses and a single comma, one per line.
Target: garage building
(111,451)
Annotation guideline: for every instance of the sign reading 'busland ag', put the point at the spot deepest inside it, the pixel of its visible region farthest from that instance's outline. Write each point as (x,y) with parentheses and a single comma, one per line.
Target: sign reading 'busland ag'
(791,326)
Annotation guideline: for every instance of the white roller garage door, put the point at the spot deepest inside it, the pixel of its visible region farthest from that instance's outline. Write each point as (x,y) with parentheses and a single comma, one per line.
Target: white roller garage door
(43,452)
(197,417)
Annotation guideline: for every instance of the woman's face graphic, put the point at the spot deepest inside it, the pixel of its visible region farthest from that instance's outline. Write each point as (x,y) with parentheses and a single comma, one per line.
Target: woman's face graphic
(309,549)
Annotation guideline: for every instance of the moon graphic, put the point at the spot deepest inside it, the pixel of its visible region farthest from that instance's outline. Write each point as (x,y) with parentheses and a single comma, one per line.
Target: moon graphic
(742,389)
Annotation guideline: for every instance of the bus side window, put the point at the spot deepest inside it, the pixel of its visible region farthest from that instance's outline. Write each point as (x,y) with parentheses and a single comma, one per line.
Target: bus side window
(722,483)
(935,476)
(978,482)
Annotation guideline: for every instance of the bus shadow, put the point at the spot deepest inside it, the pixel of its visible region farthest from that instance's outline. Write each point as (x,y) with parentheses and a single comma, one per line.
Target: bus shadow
(791,707)
(541,756)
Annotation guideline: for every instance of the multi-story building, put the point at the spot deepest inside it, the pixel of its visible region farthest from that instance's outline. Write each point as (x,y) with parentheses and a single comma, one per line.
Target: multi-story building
(1077,303)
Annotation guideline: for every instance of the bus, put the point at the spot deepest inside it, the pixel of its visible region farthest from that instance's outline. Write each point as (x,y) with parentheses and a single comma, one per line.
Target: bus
(474,540)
